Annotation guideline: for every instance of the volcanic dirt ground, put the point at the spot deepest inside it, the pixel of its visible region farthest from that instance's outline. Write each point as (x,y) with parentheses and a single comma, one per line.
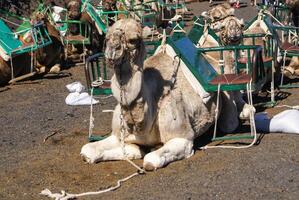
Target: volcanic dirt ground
(32,110)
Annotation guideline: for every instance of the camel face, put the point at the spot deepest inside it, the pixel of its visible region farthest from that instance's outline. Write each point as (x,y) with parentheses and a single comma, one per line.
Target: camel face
(73,8)
(109,5)
(115,49)
(232,33)
(122,43)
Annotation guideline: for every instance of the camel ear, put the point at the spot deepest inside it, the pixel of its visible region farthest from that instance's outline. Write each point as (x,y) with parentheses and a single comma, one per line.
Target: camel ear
(146,32)
(205,14)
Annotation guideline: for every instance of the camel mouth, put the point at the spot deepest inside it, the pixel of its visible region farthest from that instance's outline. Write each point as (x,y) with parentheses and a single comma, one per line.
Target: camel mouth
(74,15)
(235,39)
(114,55)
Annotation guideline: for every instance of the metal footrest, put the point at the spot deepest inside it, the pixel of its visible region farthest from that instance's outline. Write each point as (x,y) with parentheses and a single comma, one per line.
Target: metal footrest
(288,86)
(94,138)
(233,137)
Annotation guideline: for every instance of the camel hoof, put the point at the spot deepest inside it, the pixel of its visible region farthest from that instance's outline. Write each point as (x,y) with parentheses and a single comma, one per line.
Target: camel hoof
(89,154)
(152,162)
(41,70)
(55,69)
(247,109)
(149,167)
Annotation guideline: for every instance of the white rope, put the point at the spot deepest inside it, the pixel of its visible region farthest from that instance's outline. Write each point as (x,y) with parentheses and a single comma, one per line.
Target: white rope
(97,83)
(252,126)
(66,196)
(12,68)
(104,97)
(217,111)
(281,24)
(196,23)
(283,67)
(91,118)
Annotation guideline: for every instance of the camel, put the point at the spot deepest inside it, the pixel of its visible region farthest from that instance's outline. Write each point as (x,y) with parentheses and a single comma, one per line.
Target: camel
(259,27)
(96,36)
(230,33)
(157,107)
(20,65)
(49,58)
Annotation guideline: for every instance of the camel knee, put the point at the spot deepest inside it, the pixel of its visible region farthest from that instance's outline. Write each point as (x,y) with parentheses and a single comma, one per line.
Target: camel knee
(93,152)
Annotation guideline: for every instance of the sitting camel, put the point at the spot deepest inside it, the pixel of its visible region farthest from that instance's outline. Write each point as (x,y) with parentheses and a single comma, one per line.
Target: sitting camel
(20,65)
(157,107)
(50,57)
(96,37)
(230,33)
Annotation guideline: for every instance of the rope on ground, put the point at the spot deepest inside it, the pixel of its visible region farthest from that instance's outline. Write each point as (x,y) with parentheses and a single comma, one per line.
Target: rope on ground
(66,196)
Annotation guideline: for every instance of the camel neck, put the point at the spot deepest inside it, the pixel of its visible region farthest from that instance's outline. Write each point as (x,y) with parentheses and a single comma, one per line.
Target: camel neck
(126,84)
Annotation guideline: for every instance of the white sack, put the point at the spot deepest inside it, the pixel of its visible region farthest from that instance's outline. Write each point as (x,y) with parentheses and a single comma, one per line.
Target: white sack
(76,98)
(284,122)
(75,87)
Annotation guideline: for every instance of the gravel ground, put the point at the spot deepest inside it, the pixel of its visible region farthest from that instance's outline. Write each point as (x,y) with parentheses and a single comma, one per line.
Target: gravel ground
(34,109)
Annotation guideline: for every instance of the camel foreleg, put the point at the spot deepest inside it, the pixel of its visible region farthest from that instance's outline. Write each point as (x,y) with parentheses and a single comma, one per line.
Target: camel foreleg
(173,150)
(109,149)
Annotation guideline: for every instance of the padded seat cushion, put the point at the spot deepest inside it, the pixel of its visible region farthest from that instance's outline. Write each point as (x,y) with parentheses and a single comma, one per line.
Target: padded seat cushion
(286,46)
(231,79)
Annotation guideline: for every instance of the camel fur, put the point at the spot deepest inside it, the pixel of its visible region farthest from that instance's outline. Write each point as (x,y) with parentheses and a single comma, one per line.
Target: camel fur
(157,109)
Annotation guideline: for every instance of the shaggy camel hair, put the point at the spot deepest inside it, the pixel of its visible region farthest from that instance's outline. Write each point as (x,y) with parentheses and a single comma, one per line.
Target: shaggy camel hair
(157,103)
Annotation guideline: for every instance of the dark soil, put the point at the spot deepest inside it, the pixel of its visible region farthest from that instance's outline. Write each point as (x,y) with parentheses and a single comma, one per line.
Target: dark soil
(32,110)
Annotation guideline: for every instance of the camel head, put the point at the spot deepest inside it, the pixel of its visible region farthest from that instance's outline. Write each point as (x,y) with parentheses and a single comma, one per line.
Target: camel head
(109,5)
(124,44)
(219,12)
(73,8)
(232,32)
(39,17)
